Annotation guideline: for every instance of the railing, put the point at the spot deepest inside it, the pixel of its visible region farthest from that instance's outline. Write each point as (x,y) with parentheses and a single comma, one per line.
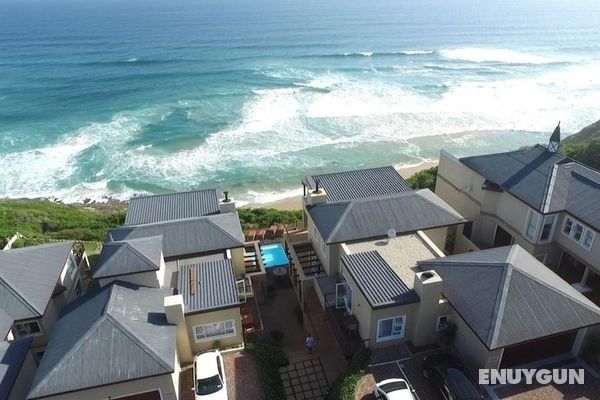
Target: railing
(349,345)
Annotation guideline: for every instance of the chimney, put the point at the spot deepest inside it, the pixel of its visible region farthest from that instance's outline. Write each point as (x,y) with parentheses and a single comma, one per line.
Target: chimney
(316,196)
(227,204)
(428,285)
(554,142)
(174,311)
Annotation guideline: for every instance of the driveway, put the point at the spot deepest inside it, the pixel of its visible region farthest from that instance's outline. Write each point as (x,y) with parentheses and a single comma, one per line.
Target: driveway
(412,369)
(243,380)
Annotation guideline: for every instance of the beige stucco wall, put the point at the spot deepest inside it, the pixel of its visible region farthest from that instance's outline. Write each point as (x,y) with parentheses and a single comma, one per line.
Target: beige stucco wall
(165,383)
(210,317)
(438,236)
(24,379)
(471,349)
(590,257)
(459,186)
(237,258)
(330,258)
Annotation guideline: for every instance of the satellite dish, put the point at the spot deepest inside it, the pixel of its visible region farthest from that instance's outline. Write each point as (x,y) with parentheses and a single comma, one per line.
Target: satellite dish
(391,233)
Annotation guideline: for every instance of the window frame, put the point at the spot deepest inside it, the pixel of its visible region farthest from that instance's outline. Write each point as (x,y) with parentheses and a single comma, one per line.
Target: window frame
(439,327)
(571,221)
(536,227)
(397,336)
(18,335)
(206,338)
(551,232)
(584,236)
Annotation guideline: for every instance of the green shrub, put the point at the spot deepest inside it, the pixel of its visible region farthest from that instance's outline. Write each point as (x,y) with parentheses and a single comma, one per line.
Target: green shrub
(424,179)
(344,387)
(269,359)
(256,218)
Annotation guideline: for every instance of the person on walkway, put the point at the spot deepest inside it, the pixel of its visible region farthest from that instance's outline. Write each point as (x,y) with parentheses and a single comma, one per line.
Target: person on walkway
(310,342)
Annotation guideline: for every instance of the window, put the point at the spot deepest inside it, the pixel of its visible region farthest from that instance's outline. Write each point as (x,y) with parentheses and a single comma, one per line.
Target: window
(390,328)
(214,330)
(547,228)
(467,229)
(531,225)
(577,232)
(442,322)
(588,239)
(568,226)
(31,328)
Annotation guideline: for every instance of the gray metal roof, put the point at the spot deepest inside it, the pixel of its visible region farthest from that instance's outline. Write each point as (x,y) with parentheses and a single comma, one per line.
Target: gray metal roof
(208,286)
(526,175)
(358,184)
(374,217)
(129,257)
(28,277)
(115,334)
(508,297)
(188,236)
(6,322)
(377,281)
(171,206)
(12,356)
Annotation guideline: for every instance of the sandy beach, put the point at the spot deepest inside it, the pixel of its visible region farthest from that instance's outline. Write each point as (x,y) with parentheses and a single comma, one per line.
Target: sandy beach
(295,202)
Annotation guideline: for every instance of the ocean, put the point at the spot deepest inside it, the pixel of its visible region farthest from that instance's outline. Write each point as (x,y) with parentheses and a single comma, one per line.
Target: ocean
(114,98)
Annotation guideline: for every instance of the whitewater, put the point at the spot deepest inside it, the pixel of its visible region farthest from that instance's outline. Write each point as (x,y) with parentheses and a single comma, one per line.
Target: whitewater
(122,98)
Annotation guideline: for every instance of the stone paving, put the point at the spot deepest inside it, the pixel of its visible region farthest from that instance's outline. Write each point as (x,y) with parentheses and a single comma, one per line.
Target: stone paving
(304,380)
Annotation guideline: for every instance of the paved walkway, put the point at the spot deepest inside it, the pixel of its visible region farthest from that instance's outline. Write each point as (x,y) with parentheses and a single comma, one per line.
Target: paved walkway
(304,380)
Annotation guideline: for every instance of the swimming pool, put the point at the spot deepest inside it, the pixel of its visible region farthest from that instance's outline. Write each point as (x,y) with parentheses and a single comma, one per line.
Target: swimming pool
(273,255)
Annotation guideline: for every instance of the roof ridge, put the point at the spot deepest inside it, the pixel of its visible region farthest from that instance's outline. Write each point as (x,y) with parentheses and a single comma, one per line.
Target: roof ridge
(21,297)
(348,207)
(555,290)
(420,194)
(143,346)
(221,229)
(358,169)
(93,328)
(500,305)
(139,253)
(171,194)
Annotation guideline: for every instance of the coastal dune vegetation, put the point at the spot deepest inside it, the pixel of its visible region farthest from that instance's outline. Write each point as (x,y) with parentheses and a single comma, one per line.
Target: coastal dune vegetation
(40,221)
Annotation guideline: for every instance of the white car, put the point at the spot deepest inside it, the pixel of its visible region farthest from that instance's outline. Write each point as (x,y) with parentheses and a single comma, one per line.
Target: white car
(392,389)
(209,376)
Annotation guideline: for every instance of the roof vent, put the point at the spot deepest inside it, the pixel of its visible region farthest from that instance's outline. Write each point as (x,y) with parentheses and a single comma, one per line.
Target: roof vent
(391,233)
(427,275)
(226,194)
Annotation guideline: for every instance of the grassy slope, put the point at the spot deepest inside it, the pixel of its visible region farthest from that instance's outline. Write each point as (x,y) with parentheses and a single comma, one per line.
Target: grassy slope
(42,220)
(584,146)
(588,133)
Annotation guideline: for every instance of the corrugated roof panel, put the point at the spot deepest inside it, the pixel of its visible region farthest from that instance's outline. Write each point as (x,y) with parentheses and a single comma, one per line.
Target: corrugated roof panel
(377,281)
(208,286)
(171,206)
(129,257)
(358,184)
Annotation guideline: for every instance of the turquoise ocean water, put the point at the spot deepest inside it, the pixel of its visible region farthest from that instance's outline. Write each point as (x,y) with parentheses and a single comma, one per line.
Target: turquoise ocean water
(112,98)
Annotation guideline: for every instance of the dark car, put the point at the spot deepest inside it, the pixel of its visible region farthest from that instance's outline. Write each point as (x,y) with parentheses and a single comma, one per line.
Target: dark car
(451,377)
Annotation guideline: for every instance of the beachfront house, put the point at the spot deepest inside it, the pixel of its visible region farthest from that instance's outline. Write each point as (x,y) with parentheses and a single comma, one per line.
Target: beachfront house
(508,308)
(537,198)
(35,283)
(365,231)
(112,343)
(194,244)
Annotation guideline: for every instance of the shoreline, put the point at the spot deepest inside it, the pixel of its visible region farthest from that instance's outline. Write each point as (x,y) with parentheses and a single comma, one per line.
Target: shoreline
(289,203)
(294,203)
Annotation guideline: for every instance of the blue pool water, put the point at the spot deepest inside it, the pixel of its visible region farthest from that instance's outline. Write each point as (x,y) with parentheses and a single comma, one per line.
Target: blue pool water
(274,255)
